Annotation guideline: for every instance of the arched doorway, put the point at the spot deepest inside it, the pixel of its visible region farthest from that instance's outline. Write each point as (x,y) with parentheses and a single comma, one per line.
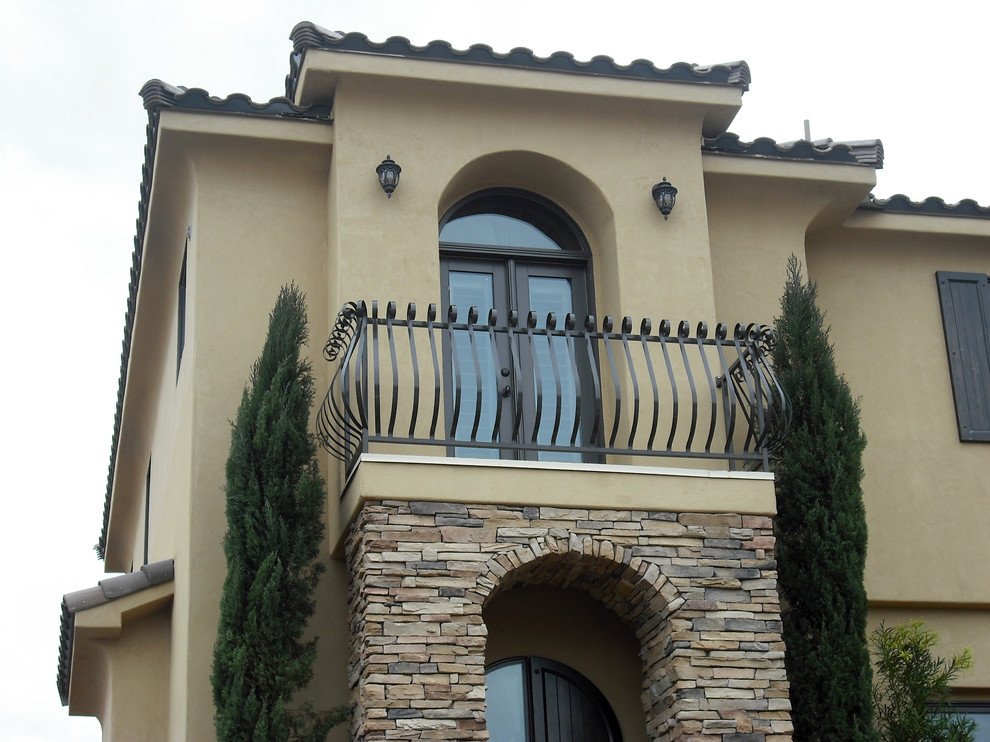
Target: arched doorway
(571,627)
(512,251)
(534,699)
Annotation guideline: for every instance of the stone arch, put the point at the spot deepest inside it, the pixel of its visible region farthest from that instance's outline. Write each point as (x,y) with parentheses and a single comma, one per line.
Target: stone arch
(634,589)
(697,590)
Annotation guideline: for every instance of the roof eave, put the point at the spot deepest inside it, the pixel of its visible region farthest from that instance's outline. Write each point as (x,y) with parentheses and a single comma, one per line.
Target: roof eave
(107,591)
(308,36)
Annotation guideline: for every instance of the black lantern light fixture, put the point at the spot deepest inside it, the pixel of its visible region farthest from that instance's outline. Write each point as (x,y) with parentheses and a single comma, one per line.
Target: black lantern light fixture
(388,175)
(665,195)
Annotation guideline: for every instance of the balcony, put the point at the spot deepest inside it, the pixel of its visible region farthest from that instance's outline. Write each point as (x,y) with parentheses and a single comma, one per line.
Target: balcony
(526,387)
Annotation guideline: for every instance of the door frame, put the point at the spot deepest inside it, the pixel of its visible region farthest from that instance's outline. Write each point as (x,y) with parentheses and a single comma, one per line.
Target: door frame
(513,266)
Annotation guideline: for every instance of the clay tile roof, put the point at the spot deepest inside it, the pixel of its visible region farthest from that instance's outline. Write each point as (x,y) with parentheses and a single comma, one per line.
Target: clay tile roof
(867,152)
(933,206)
(157,95)
(106,590)
(308,35)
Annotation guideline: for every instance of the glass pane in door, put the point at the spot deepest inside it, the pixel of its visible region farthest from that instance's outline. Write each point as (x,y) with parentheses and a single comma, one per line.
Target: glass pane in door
(471,289)
(507,712)
(550,294)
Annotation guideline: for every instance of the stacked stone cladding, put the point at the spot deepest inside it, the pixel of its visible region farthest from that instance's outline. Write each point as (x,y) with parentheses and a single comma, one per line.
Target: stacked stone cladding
(697,589)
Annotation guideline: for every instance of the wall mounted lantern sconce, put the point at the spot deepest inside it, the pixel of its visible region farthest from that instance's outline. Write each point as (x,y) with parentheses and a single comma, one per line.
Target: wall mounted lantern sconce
(388,175)
(665,195)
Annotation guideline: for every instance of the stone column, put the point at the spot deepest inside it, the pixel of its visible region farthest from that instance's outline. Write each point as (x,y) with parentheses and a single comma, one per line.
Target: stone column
(418,656)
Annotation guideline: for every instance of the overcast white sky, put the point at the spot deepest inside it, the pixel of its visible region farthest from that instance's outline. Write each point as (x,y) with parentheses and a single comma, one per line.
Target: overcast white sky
(71,139)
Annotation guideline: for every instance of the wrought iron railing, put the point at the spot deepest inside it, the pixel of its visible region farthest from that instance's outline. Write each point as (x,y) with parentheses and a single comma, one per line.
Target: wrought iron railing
(523,387)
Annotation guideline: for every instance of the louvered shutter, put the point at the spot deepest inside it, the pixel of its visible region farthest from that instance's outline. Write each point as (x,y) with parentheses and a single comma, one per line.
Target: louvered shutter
(965,300)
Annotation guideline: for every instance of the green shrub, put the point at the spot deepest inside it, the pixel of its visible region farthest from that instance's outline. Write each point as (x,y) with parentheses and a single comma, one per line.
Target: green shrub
(911,692)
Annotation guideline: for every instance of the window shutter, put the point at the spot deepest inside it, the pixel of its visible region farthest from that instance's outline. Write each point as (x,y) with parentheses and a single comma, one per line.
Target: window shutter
(965,300)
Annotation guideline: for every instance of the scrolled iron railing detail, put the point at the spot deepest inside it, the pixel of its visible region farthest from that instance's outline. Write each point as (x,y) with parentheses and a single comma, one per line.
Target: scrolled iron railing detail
(343,330)
(550,388)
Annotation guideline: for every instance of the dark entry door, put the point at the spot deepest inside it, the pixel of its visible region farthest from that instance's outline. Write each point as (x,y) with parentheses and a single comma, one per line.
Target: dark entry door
(533,699)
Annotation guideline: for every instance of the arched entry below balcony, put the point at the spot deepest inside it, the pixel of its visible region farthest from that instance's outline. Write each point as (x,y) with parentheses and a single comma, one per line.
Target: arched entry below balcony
(530,624)
(589,604)
(696,590)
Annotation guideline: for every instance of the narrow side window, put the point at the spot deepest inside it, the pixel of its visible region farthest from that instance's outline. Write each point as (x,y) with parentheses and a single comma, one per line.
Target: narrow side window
(965,301)
(147,509)
(181,325)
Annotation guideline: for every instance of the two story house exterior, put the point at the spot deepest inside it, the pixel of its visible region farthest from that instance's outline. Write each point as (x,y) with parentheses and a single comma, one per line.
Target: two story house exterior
(542,509)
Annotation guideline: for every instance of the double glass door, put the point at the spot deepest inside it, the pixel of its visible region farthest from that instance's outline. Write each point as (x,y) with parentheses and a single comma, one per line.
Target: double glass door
(514,262)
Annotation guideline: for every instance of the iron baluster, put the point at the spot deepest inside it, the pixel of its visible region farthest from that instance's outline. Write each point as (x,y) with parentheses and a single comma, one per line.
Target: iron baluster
(538,417)
(410,318)
(728,388)
(683,332)
(626,329)
(515,348)
(570,321)
(390,311)
(478,382)
(558,380)
(598,429)
(492,321)
(675,400)
(378,366)
(431,316)
(701,335)
(645,327)
(607,325)
(455,369)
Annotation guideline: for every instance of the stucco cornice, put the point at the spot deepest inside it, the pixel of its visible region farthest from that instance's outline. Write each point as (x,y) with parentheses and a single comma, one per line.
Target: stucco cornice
(570,485)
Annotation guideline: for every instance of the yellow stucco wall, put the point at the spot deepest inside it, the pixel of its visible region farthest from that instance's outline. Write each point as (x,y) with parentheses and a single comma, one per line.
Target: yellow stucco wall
(121,658)
(924,490)
(926,508)
(471,136)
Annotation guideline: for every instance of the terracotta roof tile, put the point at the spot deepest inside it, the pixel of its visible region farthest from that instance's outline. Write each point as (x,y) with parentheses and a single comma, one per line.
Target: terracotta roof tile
(863,152)
(158,94)
(933,206)
(308,35)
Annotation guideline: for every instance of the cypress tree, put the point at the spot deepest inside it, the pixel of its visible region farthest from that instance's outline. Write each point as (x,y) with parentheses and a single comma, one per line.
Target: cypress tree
(820,529)
(275,501)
